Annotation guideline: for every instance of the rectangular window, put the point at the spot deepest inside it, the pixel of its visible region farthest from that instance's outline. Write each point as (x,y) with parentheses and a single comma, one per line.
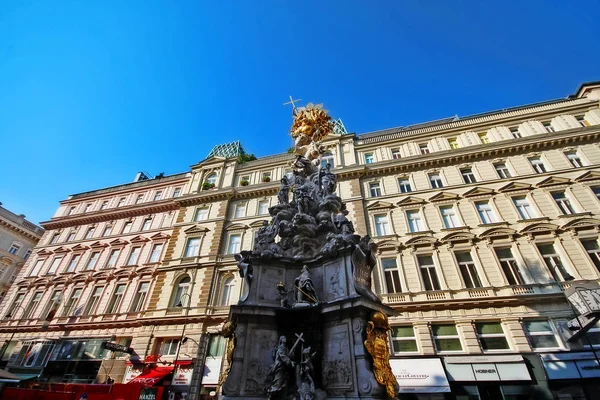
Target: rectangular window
(266,177)
(139,198)
(369,159)
(14,248)
(424,148)
(484,138)
(177,192)
(445,337)
(115,301)
(89,233)
(574,159)
(582,121)
(491,336)
(121,202)
(523,207)
(596,191)
(467,269)
(554,263)
(107,230)
(453,143)
(73,263)
(548,127)
(240,210)
(502,171)
(449,217)
(91,264)
(428,273)
(404,340)
(374,189)
(328,158)
(168,347)
(404,184)
(382,227)
(54,266)
(396,155)
(158,195)
(193,247)
(541,335)
(88,207)
(156,252)
(563,203)
(53,305)
(15,306)
(415,222)
(263,207)
(32,306)
(72,210)
(244,180)
(467,175)
(147,224)
(134,255)
(71,236)
(55,238)
(92,305)
(538,165)
(509,266)
(26,256)
(104,205)
(392,277)
(235,243)
(486,213)
(127,227)
(201,214)
(593,250)
(70,309)
(37,267)
(140,297)
(515,133)
(113,258)
(436,181)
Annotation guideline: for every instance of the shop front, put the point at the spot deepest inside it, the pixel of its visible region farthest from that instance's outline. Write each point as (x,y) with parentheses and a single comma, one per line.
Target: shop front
(502,377)
(573,375)
(421,378)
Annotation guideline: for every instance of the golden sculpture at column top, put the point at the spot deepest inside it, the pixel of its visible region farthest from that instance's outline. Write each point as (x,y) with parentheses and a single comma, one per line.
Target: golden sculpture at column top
(377,345)
(311,125)
(228,331)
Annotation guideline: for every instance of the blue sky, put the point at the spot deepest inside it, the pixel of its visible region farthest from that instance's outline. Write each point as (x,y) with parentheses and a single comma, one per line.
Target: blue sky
(92,92)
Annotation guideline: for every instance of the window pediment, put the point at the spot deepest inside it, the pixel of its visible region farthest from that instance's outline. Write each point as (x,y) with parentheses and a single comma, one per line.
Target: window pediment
(458,237)
(554,181)
(539,229)
(6,261)
(498,233)
(160,236)
(236,227)
(588,176)
(389,244)
(79,247)
(422,241)
(81,277)
(145,271)
(98,245)
(44,252)
(257,224)
(118,242)
(62,250)
(515,186)
(139,239)
(582,224)
(196,230)
(444,196)
(410,201)
(380,205)
(479,192)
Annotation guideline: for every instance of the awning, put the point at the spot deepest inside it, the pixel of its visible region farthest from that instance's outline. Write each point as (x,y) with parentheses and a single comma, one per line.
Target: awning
(420,375)
(152,376)
(487,368)
(571,365)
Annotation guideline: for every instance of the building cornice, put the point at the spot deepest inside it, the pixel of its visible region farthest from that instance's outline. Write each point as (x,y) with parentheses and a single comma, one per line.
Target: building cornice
(21,231)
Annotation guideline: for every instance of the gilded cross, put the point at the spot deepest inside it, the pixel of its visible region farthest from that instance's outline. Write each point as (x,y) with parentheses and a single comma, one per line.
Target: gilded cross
(292,102)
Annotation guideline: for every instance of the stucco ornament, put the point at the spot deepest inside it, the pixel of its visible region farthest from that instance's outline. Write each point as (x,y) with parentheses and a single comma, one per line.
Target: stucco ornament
(378,347)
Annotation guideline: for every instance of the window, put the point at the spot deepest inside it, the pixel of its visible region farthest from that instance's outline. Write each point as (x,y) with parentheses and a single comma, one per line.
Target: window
(55,238)
(227,292)
(54,266)
(382,227)
(121,202)
(392,277)
(374,189)
(53,305)
(71,210)
(582,121)
(212,179)
(593,335)
(158,195)
(574,159)
(563,203)
(140,297)
(548,127)
(428,273)
(266,177)
(34,353)
(484,138)
(235,242)
(468,270)
(467,175)
(244,180)
(541,335)
(396,155)
(193,247)
(515,133)
(177,192)
(554,263)
(112,259)
(73,263)
(491,336)
(415,223)
(70,309)
(91,264)
(104,205)
(327,158)
(445,337)
(201,214)
(92,305)
(240,210)
(35,301)
(147,224)
(502,171)
(403,339)
(263,207)
(14,307)
(127,227)
(71,236)
(486,213)
(369,159)
(168,347)
(537,164)
(139,198)
(424,148)
(523,207)
(134,255)
(509,266)
(436,181)
(449,217)
(156,252)
(89,233)
(115,301)
(593,250)
(181,290)
(37,267)
(453,143)
(107,230)
(26,256)
(596,191)
(404,184)
(14,248)
(88,207)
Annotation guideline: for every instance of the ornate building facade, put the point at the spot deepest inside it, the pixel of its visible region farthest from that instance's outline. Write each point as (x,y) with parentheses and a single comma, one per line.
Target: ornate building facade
(481,223)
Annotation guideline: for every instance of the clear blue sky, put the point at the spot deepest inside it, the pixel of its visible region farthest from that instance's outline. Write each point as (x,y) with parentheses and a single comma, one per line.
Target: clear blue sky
(92,92)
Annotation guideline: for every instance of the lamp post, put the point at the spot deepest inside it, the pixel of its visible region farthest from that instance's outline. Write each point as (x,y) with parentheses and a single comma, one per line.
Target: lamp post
(181,339)
(9,316)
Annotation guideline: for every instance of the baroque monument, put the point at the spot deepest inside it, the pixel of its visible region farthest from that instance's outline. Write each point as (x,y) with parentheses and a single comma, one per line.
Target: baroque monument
(307,325)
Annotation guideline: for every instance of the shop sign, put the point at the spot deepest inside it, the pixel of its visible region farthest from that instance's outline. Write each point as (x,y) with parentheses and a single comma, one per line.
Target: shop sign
(116,347)
(148,394)
(132,372)
(212,368)
(585,297)
(486,372)
(183,375)
(571,366)
(424,375)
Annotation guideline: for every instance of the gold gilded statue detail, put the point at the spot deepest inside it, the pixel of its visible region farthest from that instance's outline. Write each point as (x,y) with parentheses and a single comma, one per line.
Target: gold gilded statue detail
(311,125)
(228,332)
(377,345)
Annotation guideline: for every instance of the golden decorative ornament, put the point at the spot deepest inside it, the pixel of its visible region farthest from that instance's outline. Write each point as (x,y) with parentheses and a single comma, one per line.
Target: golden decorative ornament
(311,125)
(378,347)
(228,331)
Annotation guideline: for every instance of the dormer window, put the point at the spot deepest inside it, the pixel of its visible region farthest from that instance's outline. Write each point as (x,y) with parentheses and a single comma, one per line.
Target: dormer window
(369,158)
(484,138)
(424,148)
(266,177)
(121,202)
(453,143)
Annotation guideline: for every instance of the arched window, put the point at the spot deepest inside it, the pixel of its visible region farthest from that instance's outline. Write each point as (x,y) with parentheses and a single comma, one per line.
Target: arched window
(212,179)
(227,292)
(180,298)
(327,158)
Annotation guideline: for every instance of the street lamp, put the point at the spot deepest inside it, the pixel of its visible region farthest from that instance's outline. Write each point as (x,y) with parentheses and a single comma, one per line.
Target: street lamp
(9,316)
(182,339)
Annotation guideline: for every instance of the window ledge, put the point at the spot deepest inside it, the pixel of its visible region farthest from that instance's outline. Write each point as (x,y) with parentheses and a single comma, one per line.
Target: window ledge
(456,228)
(390,236)
(537,219)
(576,215)
(419,233)
(492,224)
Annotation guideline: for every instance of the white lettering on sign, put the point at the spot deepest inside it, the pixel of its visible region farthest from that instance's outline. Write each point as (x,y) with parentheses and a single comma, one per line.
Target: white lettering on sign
(592,298)
(578,303)
(485,371)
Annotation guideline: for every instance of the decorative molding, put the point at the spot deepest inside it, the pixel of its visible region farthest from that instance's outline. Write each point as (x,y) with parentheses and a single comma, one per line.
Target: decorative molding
(479,192)
(554,181)
(379,205)
(514,187)
(444,196)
